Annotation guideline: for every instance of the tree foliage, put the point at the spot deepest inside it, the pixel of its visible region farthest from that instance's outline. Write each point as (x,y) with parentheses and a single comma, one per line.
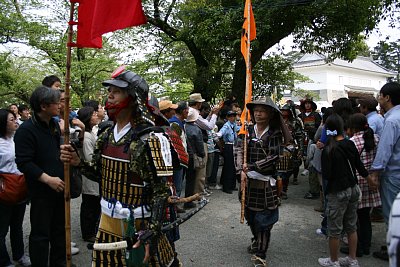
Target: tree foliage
(211,31)
(388,55)
(190,45)
(42,28)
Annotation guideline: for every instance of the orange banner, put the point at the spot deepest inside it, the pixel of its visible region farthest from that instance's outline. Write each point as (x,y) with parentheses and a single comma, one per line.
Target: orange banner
(248,29)
(248,34)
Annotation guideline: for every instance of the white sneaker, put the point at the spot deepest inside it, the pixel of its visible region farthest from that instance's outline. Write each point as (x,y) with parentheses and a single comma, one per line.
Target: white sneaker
(73,244)
(347,261)
(216,187)
(205,193)
(319,232)
(208,190)
(304,173)
(328,262)
(24,261)
(74,250)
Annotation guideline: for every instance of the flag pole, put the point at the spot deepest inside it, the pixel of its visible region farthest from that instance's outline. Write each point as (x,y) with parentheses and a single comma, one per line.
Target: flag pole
(248,87)
(67,180)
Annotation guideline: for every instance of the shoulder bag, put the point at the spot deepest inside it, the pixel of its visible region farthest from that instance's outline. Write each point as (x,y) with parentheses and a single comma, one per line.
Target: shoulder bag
(13,188)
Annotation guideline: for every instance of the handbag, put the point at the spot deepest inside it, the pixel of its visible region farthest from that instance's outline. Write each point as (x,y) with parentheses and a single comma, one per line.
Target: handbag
(199,162)
(13,189)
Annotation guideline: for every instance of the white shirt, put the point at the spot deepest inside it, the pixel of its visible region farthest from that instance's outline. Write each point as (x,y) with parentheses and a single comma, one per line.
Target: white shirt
(120,134)
(206,124)
(7,156)
(89,187)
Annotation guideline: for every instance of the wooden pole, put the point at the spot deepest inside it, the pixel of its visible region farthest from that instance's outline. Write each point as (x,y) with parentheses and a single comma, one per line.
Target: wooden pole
(248,88)
(243,180)
(67,180)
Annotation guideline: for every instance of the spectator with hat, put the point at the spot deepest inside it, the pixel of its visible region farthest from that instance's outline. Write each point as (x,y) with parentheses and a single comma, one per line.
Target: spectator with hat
(177,124)
(167,108)
(229,135)
(367,107)
(205,124)
(196,149)
(311,120)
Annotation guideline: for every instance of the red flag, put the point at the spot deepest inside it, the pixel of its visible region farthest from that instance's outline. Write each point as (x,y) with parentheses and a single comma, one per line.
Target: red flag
(248,34)
(96,17)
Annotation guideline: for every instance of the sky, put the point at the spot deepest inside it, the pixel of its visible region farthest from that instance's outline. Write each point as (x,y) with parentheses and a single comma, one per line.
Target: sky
(378,34)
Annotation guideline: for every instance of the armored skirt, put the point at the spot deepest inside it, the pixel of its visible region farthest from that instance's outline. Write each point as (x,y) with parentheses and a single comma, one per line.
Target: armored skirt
(125,204)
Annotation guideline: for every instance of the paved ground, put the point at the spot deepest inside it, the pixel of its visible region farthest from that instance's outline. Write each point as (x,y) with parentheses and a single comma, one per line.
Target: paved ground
(215,237)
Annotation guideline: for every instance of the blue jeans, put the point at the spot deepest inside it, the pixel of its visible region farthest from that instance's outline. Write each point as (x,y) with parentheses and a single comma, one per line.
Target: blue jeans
(178,178)
(12,216)
(390,187)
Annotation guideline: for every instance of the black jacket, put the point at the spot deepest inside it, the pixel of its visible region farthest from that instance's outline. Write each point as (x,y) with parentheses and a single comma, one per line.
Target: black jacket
(337,169)
(37,151)
(194,139)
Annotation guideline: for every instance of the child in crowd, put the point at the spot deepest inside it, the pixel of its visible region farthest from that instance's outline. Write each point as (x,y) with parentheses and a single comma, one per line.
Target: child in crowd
(366,143)
(339,160)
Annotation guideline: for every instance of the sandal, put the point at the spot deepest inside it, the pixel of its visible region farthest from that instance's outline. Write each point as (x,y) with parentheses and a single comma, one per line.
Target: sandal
(258,262)
(253,247)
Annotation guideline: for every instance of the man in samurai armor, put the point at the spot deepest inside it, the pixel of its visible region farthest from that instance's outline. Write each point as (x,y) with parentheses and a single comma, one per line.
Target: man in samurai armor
(133,163)
(292,154)
(264,141)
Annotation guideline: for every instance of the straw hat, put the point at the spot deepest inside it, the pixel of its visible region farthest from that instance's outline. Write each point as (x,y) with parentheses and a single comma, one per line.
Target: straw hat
(166,104)
(193,115)
(196,97)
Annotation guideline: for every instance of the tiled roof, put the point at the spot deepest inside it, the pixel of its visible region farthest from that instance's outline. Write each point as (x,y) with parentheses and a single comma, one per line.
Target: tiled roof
(360,63)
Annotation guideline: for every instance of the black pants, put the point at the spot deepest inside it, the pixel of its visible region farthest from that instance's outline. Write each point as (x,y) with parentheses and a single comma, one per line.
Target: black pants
(90,215)
(11,216)
(364,228)
(47,226)
(190,180)
(212,180)
(228,175)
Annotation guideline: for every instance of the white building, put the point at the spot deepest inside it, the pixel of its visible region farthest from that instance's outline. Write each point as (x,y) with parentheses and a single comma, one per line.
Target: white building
(340,78)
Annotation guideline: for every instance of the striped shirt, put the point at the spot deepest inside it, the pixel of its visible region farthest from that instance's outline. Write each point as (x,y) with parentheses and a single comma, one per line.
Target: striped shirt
(370,198)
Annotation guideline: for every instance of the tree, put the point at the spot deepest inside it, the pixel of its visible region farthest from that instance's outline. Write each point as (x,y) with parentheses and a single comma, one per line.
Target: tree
(275,74)
(387,54)
(210,30)
(46,33)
